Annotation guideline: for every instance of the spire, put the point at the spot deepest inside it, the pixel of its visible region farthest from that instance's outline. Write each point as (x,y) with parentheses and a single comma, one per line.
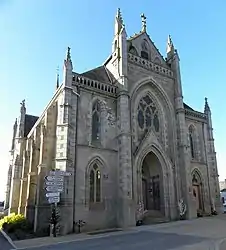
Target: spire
(207,108)
(118,21)
(144,22)
(57,80)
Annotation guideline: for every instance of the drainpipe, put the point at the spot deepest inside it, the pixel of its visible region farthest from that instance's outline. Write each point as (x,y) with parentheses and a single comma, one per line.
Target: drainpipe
(75,158)
(207,169)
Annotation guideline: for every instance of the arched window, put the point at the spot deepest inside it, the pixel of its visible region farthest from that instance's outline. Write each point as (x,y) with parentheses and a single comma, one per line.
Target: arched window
(96,122)
(147,115)
(144,50)
(95,184)
(133,51)
(192,141)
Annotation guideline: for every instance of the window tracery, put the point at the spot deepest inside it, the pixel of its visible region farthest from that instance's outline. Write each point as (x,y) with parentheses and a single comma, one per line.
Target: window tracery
(95,184)
(147,115)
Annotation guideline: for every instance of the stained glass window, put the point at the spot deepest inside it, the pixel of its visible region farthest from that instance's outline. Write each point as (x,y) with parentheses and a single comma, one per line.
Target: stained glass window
(147,115)
(95,184)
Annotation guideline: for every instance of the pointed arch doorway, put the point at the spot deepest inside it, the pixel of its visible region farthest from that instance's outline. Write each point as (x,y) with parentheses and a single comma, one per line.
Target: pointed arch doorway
(152,184)
(197,191)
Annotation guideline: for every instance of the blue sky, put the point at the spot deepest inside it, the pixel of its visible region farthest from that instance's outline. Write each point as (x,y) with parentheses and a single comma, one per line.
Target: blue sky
(35,35)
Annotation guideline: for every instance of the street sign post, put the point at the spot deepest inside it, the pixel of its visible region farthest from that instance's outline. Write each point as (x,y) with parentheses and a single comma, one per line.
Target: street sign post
(54,183)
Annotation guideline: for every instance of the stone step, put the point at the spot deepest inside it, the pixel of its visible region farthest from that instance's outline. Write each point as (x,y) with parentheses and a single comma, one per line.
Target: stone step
(151,220)
(153,214)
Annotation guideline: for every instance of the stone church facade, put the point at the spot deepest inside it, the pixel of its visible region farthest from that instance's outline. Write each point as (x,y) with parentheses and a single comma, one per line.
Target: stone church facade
(127,137)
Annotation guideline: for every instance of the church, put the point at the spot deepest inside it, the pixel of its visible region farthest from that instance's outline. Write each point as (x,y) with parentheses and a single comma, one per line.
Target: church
(134,149)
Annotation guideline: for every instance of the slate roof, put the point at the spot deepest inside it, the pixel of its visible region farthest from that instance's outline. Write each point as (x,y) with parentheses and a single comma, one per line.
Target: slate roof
(101,74)
(30,121)
(188,107)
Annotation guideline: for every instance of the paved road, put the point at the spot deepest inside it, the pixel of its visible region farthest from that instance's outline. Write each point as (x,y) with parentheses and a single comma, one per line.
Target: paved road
(144,240)
(199,234)
(4,244)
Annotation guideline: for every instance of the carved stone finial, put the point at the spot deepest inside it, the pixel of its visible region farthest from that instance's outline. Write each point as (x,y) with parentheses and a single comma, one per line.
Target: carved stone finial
(207,108)
(119,15)
(22,104)
(170,46)
(144,22)
(68,53)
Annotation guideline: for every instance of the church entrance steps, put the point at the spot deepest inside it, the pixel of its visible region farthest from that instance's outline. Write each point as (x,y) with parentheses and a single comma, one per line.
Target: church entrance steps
(154,217)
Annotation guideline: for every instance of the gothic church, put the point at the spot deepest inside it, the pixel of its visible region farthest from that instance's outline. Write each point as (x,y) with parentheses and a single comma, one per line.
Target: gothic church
(124,132)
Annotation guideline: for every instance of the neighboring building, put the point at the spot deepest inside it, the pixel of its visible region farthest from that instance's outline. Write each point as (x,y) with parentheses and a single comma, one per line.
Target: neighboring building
(1,207)
(222,184)
(128,139)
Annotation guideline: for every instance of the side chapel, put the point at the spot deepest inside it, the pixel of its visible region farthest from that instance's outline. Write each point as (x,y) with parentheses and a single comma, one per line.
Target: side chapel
(124,132)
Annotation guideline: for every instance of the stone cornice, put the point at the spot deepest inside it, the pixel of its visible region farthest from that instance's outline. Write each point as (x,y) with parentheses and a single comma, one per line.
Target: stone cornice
(150,65)
(195,114)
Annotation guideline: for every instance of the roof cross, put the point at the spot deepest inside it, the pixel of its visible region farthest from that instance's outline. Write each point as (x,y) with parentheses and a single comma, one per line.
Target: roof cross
(144,22)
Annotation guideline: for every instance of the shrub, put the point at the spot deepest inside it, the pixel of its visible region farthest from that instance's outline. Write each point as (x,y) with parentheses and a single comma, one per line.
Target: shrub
(13,222)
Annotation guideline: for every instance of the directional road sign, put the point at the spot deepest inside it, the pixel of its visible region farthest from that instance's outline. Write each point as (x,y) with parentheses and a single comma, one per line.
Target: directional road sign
(55,194)
(54,188)
(60,173)
(54,183)
(54,199)
(54,178)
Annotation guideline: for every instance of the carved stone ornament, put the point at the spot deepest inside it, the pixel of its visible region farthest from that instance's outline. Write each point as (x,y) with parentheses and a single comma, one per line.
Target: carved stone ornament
(182,207)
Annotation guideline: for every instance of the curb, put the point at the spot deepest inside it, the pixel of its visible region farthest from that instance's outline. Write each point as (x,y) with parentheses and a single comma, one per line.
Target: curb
(8,238)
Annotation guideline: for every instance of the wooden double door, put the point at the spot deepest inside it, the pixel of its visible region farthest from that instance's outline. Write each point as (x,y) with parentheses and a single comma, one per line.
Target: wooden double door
(151,192)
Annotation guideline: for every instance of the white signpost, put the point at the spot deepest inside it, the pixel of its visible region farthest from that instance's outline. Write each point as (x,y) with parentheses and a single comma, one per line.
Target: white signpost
(55,185)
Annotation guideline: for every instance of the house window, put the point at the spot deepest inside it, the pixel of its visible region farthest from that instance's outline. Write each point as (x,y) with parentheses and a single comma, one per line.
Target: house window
(96,122)
(95,184)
